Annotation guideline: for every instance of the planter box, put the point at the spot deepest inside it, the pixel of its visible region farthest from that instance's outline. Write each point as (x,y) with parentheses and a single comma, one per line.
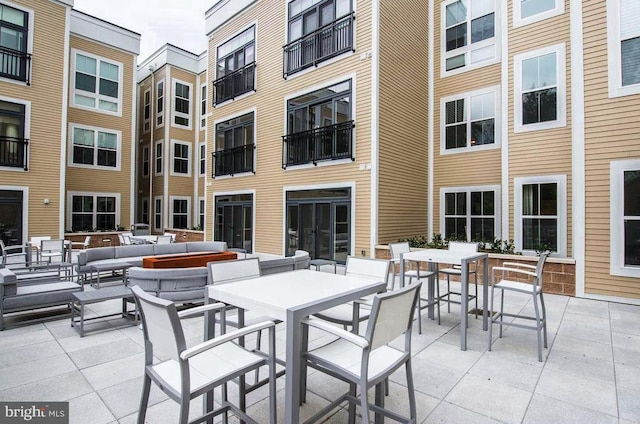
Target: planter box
(186,235)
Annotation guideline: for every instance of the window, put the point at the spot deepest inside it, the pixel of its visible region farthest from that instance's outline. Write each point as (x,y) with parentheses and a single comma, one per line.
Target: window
(145,161)
(234,146)
(203,159)
(235,66)
(181,158)
(469,38)
(470,120)
(530,11)
(540,214)
(319,126)
(160,104)
(15,61)
(94,211)
(157,213)
(470,213)
(539,89)
(180,207)
(159,149)
(317,31)
(13,141)
(182,104)
(91,146)
(97,83)
(625,218)
(623,34)
(201,213)
(203,106)
(145,210)
(146,111)
(234,220)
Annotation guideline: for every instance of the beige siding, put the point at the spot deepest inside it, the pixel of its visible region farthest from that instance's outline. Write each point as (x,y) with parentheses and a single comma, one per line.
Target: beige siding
(46,95)
(602,146)
(269,101)
(403,119)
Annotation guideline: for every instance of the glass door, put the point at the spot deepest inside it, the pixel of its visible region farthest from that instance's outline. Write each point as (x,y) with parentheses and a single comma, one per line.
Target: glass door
(11,217)
(234,217)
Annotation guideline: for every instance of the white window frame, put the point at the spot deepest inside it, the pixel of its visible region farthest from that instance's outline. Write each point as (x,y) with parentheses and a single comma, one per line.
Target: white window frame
(175,114)
(118,134)
(561,87)
(497,228)
(159,121)
(561,181)
(172,171)
(158,146)
(470,47)
(27,126)
(157,213)
(146,106)
(519,21)
(203,102)
(467,107)
(171,211)
(30,29)
(95,195)
(145,160)
(614,40)
(73,91)
(202,216)
(616,261)
(202,159)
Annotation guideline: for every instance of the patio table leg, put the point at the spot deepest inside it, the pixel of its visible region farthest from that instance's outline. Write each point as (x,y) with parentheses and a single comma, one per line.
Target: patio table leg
(464,304)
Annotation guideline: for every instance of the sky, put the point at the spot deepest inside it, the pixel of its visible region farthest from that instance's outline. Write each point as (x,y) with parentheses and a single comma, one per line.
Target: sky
(179,22)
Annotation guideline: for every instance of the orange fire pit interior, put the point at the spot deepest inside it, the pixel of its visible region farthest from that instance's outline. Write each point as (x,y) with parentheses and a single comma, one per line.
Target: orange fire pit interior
(186,260)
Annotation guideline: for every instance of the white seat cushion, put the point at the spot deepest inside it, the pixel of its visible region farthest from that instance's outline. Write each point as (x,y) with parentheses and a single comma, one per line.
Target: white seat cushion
(344,313)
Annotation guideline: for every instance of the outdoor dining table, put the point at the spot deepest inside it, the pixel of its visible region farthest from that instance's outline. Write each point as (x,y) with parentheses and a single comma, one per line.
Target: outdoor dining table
(144,239)
(437,256)
(290,297)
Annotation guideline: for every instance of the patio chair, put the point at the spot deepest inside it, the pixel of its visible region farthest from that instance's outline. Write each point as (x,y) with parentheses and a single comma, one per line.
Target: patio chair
(164,240)
(172,235)
(35,244)
(11,255)
(191,372)
(470,248)
(534,288)
(52,249)
(367,361)
(81,245)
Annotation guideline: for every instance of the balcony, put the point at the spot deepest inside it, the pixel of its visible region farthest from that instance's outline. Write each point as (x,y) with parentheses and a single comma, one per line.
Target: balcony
(320,144)
(236,160)
(236,83)
(324,43)
(13,152)
(15,64)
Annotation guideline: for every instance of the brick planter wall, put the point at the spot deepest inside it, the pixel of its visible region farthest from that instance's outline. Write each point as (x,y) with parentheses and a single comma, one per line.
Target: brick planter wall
(96,238)
(559,273)
(186,235)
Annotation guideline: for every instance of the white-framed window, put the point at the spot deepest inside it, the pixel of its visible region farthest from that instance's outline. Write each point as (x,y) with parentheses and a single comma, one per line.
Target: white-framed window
(201,213)
(146,111)
(470,35)
(91,147)
(623,35)
(180,158)
(203,158)
(96,83)
(93,211)
(144,206)
(15,121)
(470,121)
(16,40)
(159,153)
(203,106)
(180,212)
(470,213)
(145,161)
(529,11)
(540,89)
(625,218)
(540,209)
(157,213)
(160,103)
(182,94)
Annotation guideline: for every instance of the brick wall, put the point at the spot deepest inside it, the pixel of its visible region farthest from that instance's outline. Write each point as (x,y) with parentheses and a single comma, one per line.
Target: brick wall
(186,235)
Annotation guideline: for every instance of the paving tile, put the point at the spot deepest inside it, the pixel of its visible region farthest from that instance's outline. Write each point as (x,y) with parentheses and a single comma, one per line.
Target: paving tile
(625,323)
(447,413)
(581,365)
(625,340)
(13,338)
(624,307)
(588,393)
(627,377)
(545,410)
(75,342)
(123,399)
(107,352)
(450,356)
(594,350)
(517,346)
(30,372)
(586,328)
(512,373)
(629,404)
(490,398)
(626,356)
(89,409)
(432,379)
(21,355)
(588,307)
(67,386)
(114,372)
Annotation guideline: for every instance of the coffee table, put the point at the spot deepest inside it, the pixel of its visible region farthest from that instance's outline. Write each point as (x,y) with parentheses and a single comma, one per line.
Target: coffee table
(108,266)
(321,262)
(94,296)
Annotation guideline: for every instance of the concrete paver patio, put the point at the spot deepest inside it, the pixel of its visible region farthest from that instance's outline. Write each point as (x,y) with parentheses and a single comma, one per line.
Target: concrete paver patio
(590,373)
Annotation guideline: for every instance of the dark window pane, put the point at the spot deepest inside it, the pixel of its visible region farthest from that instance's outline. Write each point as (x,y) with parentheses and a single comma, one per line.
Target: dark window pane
(488,203)
(450,203)
(482,229)
(539,106)
(632,193)
(455,111)
(182,105)
(461,203)
(82,155)
(455,228)
(549,199)
(105,222)
(85,82)
(108,88)
(456,136)
(631,61)
(482,132)
(632,243)
(476,203)
(482,28)
(182,121)
(457,36)
(108,158)
(81,222)
(455,62)
(536,232)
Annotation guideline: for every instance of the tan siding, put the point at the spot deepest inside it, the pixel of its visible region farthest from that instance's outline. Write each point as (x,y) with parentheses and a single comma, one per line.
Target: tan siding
(403,161)
(602,145)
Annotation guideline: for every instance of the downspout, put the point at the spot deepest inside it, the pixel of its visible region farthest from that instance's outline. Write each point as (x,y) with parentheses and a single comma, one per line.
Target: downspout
(152,130)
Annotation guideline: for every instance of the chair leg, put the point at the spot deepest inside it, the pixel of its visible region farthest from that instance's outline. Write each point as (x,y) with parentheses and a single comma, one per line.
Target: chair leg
(501,310)
(448,294)
(438,297)
(352,407)
(144,401)
(538,326)
(379,401)
(491,320)
(184,409)
(364,400)
(259,335)
(544,319)
(412,395)
(475,274)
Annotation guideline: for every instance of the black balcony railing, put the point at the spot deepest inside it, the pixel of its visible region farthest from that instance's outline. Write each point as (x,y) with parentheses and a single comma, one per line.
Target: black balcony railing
(13,152)
(15,64)
(320,144)
(322,44)
(233,161)
(236,83)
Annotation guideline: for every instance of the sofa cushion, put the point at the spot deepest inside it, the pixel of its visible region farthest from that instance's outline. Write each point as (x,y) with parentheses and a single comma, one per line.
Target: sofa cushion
(133,251)
(168,249)
(274,266)
(176,284)
(8,281)
(95,254)
(39,295)
(206,246)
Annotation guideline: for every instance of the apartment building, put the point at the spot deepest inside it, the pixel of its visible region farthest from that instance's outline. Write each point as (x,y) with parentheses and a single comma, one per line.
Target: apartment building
(66,120)
(172,97)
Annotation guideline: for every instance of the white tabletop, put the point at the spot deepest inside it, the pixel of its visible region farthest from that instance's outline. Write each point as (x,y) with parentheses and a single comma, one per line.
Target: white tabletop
(442,256)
